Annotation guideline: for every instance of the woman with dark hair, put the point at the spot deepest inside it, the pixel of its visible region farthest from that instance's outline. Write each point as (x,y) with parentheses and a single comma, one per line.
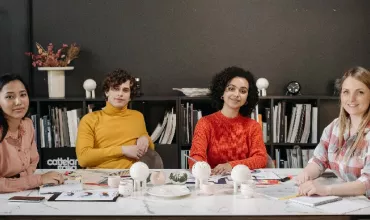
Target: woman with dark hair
(229,137)
(115,137)
(18,151)
(345,143)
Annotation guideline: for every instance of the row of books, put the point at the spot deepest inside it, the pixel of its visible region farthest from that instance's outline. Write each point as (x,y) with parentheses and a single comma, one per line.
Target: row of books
(58,128)
(184,159)
(302,127)
(189,119)
(293,158)
(165,131)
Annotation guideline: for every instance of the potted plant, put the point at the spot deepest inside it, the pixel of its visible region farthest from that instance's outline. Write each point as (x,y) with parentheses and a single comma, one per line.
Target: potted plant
(55,64)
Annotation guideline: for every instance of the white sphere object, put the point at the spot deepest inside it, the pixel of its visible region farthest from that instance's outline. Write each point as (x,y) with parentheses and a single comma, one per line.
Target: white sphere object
(201,170)
(262,83)
(89,85)
(241,173)
(139,171)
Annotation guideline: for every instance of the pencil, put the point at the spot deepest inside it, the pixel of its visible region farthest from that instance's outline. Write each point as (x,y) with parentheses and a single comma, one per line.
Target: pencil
(289,197)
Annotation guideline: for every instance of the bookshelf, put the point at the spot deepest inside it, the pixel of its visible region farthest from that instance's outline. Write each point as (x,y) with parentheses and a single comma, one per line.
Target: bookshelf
(154,108)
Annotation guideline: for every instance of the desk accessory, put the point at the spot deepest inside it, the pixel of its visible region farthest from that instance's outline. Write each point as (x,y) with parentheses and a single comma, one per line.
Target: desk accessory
(201,172)
(139,171)
(315,200)
(32,199)
(178,177)
(158,178)
(247,188)
(239,174)
(126,187)
(113,181)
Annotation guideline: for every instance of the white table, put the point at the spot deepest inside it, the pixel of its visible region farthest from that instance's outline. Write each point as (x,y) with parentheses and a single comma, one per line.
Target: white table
(141,205)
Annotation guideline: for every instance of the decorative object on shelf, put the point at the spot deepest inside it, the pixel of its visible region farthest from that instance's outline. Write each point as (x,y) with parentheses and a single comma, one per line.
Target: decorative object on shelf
(336,87)
(90,86)
(239,174)
(179,177)
(193,92)
(139,171)
(56,80)
(293,88)
(55,64)
(138,86)
(201,171)
(158,178)
(262,84)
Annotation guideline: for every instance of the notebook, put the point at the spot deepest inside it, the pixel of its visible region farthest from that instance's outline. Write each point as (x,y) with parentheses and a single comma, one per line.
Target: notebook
(315,200)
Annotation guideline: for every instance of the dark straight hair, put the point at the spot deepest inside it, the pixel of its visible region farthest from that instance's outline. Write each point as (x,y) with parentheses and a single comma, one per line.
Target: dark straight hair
(5,79)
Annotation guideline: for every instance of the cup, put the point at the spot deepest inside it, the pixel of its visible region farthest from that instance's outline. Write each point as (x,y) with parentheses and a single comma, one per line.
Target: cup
(247,188)
(125,188)
(113,181)
(208,188)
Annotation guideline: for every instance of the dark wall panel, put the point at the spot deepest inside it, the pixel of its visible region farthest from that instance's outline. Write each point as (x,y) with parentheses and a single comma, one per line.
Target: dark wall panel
(173,43)
(14,37)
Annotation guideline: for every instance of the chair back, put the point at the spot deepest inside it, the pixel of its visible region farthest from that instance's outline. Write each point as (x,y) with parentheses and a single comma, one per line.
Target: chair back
(270,162)
(152,159)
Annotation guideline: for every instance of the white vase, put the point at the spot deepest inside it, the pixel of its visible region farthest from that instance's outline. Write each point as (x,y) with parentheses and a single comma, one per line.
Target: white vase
(56,80)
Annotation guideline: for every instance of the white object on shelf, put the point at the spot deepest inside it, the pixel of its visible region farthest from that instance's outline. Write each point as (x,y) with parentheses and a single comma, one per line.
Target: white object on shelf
(56,80)
(262,84)
(193,92)
(90,86)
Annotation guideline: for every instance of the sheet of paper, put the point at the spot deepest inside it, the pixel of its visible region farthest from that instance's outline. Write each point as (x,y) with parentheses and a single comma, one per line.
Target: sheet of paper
(265,175)
(278,191)
(68,186)
(88,195)
(343,206)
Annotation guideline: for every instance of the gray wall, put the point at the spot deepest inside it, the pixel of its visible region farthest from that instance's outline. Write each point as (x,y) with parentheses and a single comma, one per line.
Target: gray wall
(14,37)
(174,43)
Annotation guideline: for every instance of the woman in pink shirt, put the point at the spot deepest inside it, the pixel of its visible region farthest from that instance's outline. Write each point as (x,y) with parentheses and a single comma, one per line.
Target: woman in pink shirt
(18,152)
(345,143)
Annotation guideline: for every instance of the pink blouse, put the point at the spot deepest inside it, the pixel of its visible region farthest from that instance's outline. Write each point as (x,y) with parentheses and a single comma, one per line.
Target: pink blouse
(18,155)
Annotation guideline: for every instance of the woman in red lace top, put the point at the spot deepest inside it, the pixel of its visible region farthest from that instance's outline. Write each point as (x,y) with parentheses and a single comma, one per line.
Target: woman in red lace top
(230,137)
(18,151)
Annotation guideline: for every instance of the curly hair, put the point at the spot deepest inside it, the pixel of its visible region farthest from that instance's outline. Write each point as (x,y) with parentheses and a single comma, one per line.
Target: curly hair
(222,79)
(117,78)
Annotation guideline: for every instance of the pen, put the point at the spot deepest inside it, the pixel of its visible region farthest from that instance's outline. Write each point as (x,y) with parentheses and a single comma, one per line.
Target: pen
(190,158)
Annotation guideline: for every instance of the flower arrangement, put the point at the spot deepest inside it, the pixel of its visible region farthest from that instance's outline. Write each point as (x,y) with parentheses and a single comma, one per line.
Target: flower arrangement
(48,58)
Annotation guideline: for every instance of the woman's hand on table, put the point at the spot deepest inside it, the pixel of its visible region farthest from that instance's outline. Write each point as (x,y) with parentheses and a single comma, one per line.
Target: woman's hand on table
(52,178)
(222,169)
(302,178)
(310,188)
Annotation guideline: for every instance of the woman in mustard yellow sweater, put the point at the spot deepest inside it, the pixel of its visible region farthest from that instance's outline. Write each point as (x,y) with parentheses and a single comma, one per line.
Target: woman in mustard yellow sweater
(115,137)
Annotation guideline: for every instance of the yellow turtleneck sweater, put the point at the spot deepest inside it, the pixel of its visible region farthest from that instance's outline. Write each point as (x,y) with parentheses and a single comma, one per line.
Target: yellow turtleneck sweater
(101,135)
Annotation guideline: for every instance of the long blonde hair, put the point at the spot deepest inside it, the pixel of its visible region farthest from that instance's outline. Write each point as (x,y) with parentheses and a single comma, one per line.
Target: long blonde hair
(363,75)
